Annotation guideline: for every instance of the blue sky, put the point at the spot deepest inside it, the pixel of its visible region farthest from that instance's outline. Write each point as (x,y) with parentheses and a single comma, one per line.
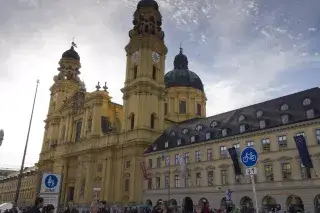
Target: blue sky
(245,51)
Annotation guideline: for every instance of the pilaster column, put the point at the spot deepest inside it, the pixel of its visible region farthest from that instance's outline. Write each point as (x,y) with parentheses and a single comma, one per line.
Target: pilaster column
(88,196)
(96,121)
(70,129)
(277,171)
(64,182)
(84,122)
(65,139)
(231,175)
(295,168)
(217,177)
(107,187)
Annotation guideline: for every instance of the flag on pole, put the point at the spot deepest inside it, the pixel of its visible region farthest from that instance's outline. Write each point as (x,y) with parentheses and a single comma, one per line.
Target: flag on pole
(303,151)
(183,166)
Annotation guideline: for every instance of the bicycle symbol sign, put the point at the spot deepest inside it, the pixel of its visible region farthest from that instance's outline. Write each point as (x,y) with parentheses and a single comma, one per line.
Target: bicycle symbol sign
(249,157)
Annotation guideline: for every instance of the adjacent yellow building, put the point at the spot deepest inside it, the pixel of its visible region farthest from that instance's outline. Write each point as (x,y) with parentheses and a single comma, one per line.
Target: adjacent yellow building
(269,127)
(8,186)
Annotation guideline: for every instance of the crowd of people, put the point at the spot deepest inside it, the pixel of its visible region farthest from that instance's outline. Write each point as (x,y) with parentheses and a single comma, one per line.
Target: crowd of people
(160,207)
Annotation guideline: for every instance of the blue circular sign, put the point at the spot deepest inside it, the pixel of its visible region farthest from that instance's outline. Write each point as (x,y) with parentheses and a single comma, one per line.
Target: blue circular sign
(51,181)
(249,157)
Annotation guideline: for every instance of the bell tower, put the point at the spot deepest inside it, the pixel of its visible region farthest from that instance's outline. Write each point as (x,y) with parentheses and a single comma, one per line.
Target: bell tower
(144,90)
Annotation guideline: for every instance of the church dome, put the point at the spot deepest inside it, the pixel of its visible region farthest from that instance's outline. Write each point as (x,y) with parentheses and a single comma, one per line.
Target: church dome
(148,3)
(71,54)
(181,76)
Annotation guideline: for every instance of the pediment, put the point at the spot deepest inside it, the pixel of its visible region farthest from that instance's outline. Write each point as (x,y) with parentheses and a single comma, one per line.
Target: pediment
(75,102)
(210,167)
(126,175)
(198,168)
(97,178)
(223,166)
(284,158)
(176,171)
(267,160)
(157,174)
(166,172)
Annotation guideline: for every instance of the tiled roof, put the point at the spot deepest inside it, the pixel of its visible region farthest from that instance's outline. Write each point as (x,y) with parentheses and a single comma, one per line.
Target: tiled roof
(15,174)
(269,111)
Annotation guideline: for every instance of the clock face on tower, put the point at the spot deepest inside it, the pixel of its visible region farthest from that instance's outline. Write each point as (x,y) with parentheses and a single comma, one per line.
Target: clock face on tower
(155,56)
(135,56)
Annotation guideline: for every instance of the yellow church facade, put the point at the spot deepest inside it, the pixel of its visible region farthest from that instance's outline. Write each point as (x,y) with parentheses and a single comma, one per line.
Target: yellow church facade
(98,144)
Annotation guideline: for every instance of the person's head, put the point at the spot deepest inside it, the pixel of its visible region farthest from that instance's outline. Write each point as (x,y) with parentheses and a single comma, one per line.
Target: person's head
(50,208)
(102,204)
(94,207)
(38,202)
(198,208)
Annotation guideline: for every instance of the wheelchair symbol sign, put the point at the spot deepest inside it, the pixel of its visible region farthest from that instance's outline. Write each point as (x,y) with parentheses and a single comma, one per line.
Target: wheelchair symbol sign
(249,157)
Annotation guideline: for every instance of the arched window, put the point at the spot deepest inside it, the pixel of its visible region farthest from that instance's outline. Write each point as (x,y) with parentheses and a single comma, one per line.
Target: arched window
(152,119)
(132,121)
(135,72)
(154,72)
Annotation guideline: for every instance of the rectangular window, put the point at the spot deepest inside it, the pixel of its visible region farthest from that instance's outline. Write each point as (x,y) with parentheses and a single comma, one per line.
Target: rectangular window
(199,109)
(268,171)
(167,181)
(192,139)
(182,107)
(224,132)
(282,141)
(198,179)
(198,156)
(176,159)
(223,152)
(149,183)
(157,182)
(167,161)
(300,133)
(165,108)
(265,145)
(179,142)
(224,177)
(209,154)
(150,163)
(262,124)
(285,119)
(158,162)
(242,128)
(318,136)
(250,143)
(208,135)
(310,113)
(237,147)
(78,131)
(128,164)
(286,171)
(187,157)
(166,144)
(176,181)
(126,185)
(210,178)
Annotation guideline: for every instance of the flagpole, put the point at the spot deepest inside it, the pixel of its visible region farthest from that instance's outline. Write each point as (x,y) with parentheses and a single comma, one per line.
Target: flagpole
(16,198)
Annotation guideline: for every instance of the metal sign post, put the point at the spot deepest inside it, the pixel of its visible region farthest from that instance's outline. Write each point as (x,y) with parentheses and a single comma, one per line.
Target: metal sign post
(249,157)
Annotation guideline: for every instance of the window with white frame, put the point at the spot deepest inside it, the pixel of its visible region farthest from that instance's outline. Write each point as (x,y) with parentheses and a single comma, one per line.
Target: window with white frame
(167,160)
(223,152)
(192,139)
(282,141)
(224,132)
(198,156)
(242,128)
(177,181)
(166,144)
(167,181)
(179,142)
(224,177)
(209,154)
(305,172)
(176,159)
(210,178)
(285,119)
(187,157)
(262,124)
(318,136)
(265,144)
(208,135)
(198,179)
(237,147)
(250,143)
(300,133)
(310,113)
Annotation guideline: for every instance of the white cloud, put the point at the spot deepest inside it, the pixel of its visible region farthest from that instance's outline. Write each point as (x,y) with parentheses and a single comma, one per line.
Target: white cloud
(246,50)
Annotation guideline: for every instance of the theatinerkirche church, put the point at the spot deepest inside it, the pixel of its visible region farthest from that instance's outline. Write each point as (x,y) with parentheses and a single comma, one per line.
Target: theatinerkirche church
(98,144)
